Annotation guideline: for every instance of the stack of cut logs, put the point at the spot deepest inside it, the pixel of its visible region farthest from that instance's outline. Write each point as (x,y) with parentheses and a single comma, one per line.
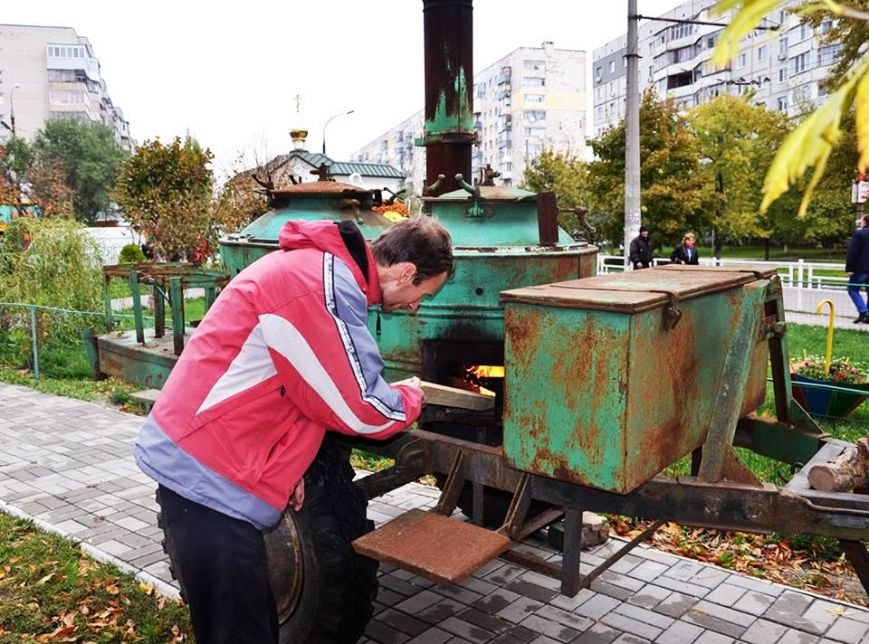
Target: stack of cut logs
(848,472)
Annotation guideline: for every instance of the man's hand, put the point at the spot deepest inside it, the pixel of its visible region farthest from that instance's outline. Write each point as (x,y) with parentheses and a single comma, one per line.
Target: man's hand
(416,383)
(297,498)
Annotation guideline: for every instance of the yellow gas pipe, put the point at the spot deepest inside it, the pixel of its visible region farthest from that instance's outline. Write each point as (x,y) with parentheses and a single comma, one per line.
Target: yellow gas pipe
(829,357)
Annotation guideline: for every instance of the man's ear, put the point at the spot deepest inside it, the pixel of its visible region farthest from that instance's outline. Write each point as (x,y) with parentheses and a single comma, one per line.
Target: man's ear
(408,272)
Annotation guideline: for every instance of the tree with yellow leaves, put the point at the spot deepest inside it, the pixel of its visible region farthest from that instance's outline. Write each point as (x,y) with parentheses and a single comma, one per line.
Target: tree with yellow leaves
(812,141)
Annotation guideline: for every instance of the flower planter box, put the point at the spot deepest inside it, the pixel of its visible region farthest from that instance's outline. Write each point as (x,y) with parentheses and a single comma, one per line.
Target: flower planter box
(822,402)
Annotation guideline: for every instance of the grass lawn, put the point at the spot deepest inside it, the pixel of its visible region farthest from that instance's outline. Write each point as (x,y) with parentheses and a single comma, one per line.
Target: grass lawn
(51,592)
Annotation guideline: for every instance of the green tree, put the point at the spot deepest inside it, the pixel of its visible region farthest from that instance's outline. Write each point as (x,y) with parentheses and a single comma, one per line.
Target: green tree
(567,177)
(811,143)
(165,192)
(674,193)
(737,140)
(89,155)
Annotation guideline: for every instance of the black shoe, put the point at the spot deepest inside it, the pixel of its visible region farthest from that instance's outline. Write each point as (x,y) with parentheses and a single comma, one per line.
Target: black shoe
(862,318)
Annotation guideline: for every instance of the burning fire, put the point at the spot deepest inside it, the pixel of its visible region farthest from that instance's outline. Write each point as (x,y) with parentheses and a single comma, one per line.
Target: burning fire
(486,371)
(476,372)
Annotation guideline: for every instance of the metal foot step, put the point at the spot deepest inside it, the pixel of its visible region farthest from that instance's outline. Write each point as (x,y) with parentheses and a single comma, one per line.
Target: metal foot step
(433,546)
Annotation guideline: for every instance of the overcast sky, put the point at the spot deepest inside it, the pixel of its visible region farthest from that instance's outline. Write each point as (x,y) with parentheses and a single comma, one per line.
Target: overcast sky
(229,75)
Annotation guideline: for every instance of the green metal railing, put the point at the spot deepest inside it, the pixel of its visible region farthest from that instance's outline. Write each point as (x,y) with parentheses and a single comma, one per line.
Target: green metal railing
(167,282)
(32,309)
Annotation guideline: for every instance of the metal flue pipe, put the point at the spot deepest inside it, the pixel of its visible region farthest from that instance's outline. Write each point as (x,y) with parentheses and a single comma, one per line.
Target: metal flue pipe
(449,84)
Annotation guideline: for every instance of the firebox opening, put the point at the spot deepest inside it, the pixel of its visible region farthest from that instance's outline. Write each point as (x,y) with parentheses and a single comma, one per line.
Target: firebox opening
(475,366)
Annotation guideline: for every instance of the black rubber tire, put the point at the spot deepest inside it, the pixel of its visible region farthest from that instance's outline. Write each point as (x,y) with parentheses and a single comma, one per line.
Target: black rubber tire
(327,587)
(335,598)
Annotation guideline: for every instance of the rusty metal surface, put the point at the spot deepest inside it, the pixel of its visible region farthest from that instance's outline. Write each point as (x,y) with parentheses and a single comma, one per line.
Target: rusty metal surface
(725,505)
(449,80)
(319,187)
(630,291)
(433,546)
(150,272)
(487,193)
(610,398)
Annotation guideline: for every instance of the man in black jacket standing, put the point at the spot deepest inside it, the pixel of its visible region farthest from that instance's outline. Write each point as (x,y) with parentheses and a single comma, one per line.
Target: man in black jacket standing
(857,267)
(640,254)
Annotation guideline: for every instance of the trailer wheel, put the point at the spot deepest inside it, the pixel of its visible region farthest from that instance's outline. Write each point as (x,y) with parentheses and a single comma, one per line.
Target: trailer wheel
(323,589)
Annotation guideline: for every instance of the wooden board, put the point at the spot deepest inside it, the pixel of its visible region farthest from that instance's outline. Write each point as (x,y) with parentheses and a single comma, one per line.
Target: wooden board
(444,396)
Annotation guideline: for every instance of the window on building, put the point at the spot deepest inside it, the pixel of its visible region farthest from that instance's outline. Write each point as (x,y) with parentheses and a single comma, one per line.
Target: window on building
(61,75)
(681,31)
(535,65)
(535,81)
(782,47)
(782,75)
(532,149)
(532,116)
(66,96)
(740,61)
(800,63)
(535,131)
(710,42)
(682,54)
(805,31)
(825,26)
(612,66)
(828,54)
(597,74)
(535,98)
(761,53)
(782,104)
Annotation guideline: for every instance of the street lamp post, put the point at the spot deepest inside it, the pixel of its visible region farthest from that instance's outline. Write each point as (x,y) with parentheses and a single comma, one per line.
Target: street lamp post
(12,106)
(11,125)
(329,120)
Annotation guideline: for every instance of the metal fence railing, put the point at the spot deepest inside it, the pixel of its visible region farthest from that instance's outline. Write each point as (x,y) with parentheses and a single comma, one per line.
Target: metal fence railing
(27,330)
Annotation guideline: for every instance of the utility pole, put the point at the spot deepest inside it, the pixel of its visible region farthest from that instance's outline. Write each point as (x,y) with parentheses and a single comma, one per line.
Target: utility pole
(632,131)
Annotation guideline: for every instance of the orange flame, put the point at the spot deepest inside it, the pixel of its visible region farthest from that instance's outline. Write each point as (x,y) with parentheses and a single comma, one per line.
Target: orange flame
(487,371)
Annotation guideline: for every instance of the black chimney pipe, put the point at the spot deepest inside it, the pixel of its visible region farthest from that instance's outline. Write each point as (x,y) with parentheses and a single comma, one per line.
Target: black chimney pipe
(449,89)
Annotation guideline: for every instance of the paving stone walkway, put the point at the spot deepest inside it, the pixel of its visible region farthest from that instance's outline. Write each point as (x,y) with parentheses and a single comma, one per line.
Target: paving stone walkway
(67,465)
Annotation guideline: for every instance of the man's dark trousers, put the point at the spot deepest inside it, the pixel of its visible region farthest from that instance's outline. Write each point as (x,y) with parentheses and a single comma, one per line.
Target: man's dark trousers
(221,563)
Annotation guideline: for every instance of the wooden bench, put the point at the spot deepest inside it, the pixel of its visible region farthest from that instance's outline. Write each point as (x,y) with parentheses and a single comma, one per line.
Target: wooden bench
(147,397)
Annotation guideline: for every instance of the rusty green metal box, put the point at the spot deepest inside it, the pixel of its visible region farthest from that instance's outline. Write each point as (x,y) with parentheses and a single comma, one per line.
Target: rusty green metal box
(611,379)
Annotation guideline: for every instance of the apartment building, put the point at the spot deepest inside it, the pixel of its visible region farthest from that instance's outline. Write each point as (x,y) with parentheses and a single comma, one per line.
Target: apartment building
(48,73)
(781,64)
(530,100)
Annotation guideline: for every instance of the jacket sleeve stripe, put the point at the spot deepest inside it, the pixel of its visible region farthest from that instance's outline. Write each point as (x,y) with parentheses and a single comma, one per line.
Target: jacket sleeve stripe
(287,340)
(365,392)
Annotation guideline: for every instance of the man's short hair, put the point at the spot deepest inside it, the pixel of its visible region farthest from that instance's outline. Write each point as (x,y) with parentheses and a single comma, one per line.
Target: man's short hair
(422,241)
(865,219)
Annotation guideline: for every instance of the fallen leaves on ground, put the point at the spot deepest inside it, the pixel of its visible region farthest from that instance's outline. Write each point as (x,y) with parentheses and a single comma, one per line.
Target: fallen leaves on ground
(776,559)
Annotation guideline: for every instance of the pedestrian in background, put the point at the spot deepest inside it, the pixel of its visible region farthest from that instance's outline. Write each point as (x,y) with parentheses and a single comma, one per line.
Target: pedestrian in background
(857,267)
(640,252)
(686,253)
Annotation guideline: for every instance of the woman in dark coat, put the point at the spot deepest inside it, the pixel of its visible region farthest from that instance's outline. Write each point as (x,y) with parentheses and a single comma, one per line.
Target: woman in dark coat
(686,253)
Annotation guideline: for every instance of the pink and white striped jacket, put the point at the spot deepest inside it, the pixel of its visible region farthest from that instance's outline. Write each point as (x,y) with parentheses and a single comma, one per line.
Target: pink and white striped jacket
(283,355)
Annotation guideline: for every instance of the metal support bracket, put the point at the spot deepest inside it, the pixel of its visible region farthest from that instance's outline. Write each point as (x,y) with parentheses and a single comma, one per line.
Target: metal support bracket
(453,487)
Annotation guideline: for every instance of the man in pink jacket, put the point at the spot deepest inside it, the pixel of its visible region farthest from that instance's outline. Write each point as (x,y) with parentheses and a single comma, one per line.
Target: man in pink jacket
(283,356)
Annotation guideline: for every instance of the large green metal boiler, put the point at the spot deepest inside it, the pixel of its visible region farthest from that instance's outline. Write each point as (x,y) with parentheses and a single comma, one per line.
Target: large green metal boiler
(315,200)
(497,245)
